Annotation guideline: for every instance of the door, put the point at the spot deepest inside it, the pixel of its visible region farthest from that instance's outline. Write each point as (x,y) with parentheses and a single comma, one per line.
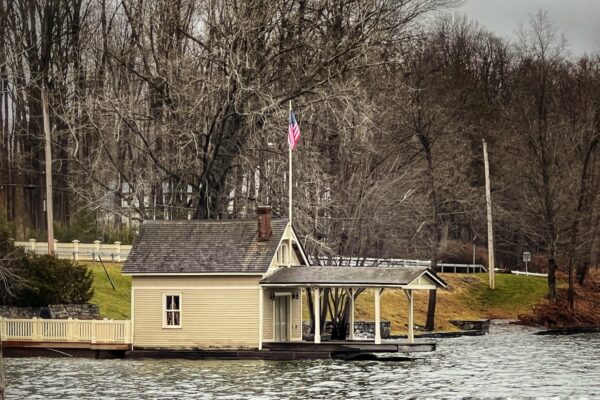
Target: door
(281,320)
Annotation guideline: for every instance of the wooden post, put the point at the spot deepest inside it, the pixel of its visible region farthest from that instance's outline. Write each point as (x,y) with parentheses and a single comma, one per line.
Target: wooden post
(55,247)
(317,313)
(132,322)
(48,160)
(94,328)
(36,329)
(69,335)
(118,251)
(75,249)
(377,316)
(32,244)
(96,250)
(488,198)
(260,316)
(411,317)
(128,335)
(351,322)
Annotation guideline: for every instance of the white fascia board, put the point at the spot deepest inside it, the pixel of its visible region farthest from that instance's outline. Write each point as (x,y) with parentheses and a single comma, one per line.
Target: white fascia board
(331,285)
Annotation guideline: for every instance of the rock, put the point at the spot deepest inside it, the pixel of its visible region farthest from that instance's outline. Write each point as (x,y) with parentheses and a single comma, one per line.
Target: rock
(53,311)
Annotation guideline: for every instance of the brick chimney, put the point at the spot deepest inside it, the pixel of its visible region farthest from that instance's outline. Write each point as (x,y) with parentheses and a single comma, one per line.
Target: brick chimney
(264,223)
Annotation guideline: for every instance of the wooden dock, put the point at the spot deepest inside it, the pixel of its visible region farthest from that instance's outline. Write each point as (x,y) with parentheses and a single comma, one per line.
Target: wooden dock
(66,336)
(100,338)
(347,350)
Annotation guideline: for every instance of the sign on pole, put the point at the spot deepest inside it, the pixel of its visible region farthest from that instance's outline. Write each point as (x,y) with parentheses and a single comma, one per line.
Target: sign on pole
(526,258)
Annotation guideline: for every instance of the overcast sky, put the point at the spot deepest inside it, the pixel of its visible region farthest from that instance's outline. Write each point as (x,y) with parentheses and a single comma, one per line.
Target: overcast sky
(579,20)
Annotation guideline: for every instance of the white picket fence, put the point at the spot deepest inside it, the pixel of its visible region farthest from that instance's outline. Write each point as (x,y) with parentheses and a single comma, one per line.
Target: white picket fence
(529,273)
(76,250)
(66,330)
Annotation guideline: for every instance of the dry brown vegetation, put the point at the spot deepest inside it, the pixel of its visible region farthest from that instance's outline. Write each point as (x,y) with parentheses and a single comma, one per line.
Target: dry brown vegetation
(558,315)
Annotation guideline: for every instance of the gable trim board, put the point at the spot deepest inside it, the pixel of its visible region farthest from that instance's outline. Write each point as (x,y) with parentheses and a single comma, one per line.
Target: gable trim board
(303,259)
(297,240)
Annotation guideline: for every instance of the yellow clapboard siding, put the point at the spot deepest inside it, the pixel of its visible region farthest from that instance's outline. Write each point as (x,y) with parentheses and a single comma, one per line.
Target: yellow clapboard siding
(267,315)
(209,318)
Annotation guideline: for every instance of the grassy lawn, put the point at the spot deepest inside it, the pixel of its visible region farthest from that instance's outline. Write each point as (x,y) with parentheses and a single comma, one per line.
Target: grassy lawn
(467,297)
(114,303)
(514,295)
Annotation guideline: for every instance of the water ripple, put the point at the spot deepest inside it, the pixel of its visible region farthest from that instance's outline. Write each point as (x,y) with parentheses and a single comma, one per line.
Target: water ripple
(509,362)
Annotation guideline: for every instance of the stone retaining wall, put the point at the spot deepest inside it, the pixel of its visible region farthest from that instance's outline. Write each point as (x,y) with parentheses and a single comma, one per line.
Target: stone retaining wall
(362,329)
(53,311)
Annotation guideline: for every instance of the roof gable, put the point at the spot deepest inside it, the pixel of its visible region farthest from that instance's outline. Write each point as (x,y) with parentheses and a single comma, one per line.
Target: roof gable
(202,246)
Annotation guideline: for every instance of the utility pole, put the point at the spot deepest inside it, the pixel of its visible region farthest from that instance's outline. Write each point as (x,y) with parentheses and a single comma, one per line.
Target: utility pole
(48,149)
(488,198)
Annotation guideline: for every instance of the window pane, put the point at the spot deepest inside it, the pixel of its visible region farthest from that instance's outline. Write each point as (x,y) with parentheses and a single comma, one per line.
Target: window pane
(172,310)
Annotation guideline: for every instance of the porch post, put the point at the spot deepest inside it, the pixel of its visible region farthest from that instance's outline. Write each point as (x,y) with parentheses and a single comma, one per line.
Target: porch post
(260,316)
(317,312)
(411,320)
(351,322)
(377,316)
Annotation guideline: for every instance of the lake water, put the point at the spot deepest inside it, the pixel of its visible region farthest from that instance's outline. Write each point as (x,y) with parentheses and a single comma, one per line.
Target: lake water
(509,362)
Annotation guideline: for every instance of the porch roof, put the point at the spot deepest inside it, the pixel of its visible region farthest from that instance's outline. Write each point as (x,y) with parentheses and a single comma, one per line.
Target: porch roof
(350,277)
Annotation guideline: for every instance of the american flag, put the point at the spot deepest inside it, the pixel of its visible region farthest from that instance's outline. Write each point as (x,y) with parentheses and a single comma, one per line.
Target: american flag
(293,132)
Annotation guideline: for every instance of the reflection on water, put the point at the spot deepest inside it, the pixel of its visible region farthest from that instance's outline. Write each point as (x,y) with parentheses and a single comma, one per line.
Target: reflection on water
(509,362)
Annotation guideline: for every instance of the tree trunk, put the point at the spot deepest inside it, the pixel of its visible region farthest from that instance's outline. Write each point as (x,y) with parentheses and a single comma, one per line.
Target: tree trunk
(571,291)
(431,304)
(435,235)
(552,280)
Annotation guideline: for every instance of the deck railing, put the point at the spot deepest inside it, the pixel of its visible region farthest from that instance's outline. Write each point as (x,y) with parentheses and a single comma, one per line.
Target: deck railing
(76,250)
(66,330)
(396,262)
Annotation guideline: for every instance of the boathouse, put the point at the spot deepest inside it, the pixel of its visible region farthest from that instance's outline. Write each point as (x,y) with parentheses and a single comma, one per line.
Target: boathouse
(237,284)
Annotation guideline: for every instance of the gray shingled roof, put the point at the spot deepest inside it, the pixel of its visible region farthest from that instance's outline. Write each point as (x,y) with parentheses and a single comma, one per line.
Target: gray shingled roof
(202,246)
(331,276)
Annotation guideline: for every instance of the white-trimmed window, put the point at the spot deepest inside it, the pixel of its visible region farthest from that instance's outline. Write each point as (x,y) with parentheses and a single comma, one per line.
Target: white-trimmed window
(172,310)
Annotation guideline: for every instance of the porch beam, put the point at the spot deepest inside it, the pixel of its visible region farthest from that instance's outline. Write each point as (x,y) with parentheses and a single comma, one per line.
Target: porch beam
(351,321)
(317,313)
(377,316)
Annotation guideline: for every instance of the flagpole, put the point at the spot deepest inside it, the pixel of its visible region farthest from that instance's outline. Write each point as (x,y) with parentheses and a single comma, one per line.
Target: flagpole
(289,263)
